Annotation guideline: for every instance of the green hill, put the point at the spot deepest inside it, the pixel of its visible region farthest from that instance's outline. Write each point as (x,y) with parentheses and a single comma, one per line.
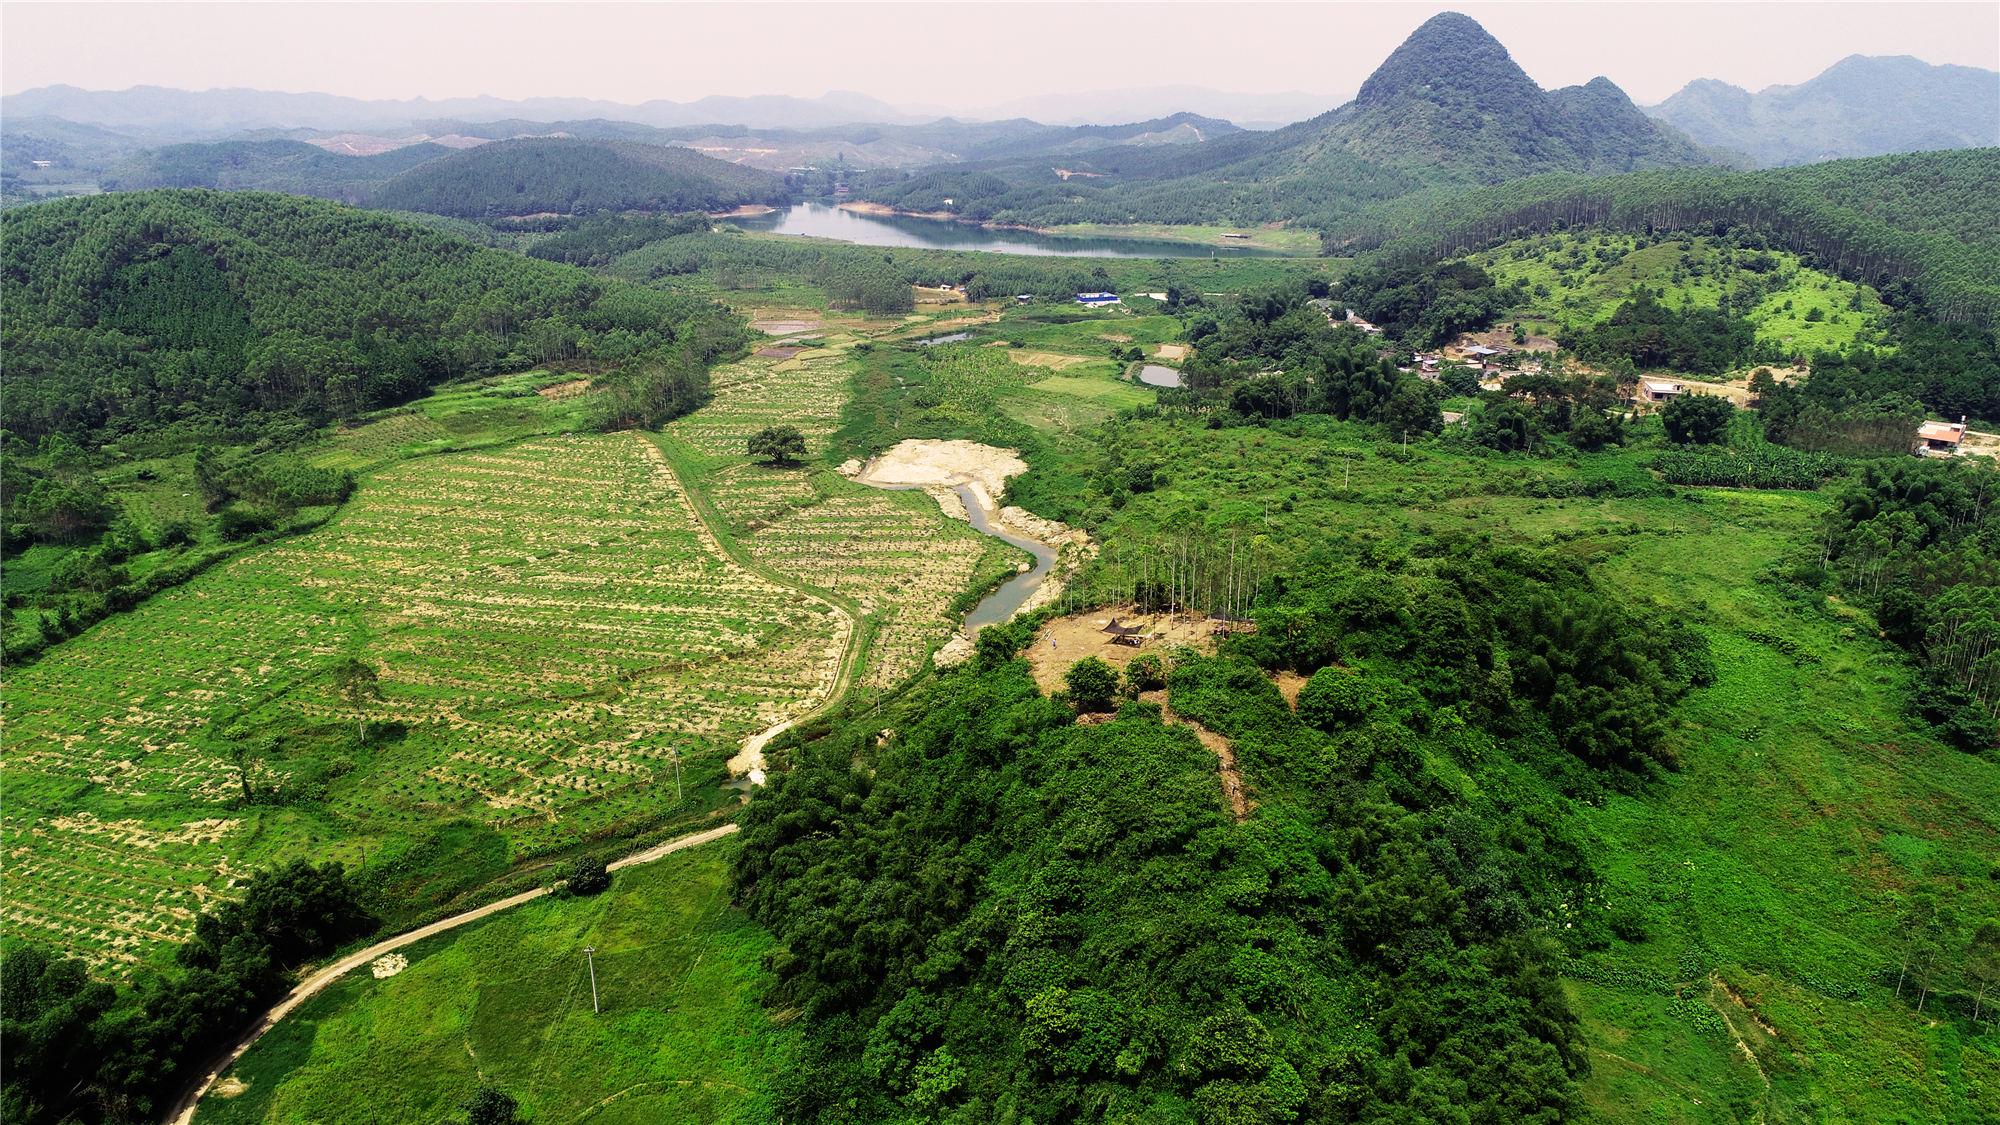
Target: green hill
(555,174)
(1449,106)
(1923,228)
(293,167)
(209,313)
(1453,99)
(1580,278)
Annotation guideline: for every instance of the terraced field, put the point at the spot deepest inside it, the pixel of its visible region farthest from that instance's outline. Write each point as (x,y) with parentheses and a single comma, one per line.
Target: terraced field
(549,626)
(805,391)
(893,553)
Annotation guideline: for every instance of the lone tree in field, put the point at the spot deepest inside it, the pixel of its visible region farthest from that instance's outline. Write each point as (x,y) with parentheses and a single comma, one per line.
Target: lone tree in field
(1092,684)
(359,686)
(587,876)
(778,445)
(1698,419)
(1982,965)
(491,1107)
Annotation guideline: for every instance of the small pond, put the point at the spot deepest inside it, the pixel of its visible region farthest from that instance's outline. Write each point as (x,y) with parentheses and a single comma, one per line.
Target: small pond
(1159,375)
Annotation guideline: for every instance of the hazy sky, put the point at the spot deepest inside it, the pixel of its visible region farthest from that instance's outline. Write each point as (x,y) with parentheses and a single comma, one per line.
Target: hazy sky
(940,53)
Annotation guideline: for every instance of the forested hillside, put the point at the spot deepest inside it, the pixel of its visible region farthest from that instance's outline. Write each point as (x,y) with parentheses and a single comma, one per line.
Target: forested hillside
(1922,228)
(214,314)
(999,914)
(551,174)
(293,167)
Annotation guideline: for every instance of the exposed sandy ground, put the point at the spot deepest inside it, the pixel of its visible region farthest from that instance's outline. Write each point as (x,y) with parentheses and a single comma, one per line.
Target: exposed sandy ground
(1977,444)
(570,389)
(930,463)
(1289,684)
(1170,351)
(1082,634)
(940,468)
(1503,338)
(748,210)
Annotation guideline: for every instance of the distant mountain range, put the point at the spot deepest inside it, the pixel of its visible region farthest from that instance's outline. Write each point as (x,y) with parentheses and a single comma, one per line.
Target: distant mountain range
(1859,106)
(1112,107)
(1449,107)
(189,114)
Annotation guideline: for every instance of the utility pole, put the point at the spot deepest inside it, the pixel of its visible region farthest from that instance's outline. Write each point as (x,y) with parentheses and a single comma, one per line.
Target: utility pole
(677,775)
(591,953)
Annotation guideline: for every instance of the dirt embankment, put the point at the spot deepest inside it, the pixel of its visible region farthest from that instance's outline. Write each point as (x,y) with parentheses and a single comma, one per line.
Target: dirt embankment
(1066,640)
(951,472)
(941,468)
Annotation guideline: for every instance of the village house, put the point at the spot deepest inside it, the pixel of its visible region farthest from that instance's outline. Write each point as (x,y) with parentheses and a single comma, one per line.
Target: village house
(1660,390)
(1939,439)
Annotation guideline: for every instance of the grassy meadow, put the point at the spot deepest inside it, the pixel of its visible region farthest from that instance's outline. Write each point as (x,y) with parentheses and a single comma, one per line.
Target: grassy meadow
(682,1036)
(1581,278)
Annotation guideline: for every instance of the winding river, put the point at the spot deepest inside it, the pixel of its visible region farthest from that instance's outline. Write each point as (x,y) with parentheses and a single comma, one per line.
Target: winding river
(1002,603)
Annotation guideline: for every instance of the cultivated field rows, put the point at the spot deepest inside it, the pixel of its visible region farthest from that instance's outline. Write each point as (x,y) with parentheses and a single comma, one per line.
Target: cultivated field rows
(806,391)
(550,625)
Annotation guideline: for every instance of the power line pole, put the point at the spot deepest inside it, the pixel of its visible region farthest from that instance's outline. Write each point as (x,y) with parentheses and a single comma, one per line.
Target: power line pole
(591,953)
(677,775)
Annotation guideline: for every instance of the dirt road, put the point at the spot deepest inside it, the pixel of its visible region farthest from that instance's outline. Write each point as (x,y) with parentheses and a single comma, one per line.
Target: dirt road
(183,1111)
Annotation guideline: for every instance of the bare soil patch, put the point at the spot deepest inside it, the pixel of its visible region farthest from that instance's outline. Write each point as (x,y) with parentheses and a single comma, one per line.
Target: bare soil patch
(1066,640)
(1289,685)
(570,389)
(1170,351)
(778,353)
(1054,361)
(1504,338)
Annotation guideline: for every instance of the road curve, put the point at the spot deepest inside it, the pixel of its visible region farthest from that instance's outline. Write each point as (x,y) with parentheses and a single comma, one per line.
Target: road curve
(183,1111)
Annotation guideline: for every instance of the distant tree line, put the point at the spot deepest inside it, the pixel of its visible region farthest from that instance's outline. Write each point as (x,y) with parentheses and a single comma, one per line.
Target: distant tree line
(1914,540)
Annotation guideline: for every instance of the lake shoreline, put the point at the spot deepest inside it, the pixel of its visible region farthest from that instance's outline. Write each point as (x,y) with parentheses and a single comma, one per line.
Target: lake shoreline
(1108,231)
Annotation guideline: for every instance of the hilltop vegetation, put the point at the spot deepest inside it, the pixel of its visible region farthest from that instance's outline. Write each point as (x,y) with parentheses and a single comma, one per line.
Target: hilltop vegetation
(1919,229)
(205,314)
(292,167)
(1575,280)
(567,176)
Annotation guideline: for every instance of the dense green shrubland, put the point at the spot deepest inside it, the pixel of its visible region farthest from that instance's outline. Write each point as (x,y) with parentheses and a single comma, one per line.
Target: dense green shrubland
(569,176)
(995,913)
